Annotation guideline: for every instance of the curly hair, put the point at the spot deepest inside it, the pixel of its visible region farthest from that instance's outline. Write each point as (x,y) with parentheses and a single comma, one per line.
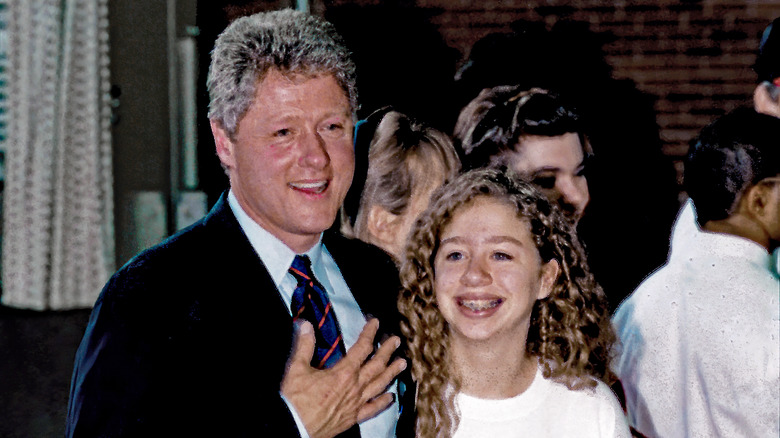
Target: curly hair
(291,41)
(570,331)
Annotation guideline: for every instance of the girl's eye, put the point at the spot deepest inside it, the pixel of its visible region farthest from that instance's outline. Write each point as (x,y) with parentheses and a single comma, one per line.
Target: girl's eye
(501,256)
(545,182)
(454,256)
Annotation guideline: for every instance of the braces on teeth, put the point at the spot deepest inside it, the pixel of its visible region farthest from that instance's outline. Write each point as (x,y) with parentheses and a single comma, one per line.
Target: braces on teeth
(479,305)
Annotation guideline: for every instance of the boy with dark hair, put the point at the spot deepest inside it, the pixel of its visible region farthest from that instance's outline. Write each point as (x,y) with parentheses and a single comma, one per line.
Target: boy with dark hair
(700,352)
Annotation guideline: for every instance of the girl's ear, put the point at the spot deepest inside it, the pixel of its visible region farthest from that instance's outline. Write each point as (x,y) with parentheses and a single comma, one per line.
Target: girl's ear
(383,227)
(548,278)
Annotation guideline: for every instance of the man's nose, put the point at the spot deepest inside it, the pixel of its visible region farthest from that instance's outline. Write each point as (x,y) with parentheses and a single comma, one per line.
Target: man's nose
(314,150)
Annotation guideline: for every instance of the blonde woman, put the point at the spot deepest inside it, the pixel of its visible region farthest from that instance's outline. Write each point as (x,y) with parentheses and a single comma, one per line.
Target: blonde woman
(404,161)
(508,333)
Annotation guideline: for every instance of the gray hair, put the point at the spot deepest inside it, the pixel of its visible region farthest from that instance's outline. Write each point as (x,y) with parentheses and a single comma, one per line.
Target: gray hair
(292,42)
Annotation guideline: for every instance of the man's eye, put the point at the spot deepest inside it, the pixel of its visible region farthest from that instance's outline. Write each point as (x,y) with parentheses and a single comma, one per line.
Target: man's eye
(282,132)
(334,128)
(545,182)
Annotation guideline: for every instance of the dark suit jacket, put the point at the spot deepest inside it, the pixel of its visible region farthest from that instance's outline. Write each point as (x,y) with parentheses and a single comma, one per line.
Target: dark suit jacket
(191,337)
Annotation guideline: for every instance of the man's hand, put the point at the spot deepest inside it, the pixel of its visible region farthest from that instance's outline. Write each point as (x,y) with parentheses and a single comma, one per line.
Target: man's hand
(330,401)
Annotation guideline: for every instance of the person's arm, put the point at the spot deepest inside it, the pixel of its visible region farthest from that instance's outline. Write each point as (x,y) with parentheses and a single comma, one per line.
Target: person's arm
(330,401)
(109,378)
(130,379)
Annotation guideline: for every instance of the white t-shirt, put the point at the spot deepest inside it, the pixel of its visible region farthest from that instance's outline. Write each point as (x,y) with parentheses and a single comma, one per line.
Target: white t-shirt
(545,409)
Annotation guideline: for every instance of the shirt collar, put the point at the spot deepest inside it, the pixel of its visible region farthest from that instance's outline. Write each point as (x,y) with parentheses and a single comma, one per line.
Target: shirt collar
(276,256)
(689,238)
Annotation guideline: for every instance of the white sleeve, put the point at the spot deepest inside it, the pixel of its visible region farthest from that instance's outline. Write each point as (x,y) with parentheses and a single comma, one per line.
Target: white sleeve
(298,422)
(615,419)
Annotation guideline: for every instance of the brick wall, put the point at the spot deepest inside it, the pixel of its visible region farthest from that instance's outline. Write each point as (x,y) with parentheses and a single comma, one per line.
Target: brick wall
(694,56)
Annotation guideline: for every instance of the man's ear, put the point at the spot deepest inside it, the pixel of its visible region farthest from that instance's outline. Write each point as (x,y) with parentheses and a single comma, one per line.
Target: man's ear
(763,102)
(382,226)
(549,276)
(225,146)
(755,201)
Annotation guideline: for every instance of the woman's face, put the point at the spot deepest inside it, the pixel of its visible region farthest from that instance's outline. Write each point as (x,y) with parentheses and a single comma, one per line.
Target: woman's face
(556,165)
(488,273)
(397,230)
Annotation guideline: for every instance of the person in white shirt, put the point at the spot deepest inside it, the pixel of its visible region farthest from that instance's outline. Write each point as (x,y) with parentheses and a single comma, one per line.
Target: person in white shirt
(701,336)
(508,333)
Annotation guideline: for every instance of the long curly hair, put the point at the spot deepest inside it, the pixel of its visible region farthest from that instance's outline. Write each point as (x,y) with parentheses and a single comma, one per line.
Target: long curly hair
(570,331)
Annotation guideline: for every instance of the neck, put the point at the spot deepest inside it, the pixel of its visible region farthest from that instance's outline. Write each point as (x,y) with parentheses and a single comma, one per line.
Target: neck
(741,226)
(298,242)
(492,373)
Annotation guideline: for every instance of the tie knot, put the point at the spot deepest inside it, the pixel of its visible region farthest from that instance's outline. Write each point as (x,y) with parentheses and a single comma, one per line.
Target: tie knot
(301,268)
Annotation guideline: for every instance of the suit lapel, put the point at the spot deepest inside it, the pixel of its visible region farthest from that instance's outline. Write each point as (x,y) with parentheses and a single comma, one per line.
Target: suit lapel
(249,289)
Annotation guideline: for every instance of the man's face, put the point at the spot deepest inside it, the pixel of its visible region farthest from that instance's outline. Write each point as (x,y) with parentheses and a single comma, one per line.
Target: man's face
(291,160)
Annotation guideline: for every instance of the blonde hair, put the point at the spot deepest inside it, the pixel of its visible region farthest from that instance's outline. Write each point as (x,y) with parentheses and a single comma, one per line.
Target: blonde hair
(400,154)
(570,330)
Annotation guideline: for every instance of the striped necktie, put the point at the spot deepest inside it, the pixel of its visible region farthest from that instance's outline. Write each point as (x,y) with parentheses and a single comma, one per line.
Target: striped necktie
(310,302)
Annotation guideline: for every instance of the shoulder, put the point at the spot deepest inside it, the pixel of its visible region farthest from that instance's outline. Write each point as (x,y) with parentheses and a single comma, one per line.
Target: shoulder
(592,406)
(357,259)
(354,250)
(194,261)
(599,395)
(653,300)
(180,253)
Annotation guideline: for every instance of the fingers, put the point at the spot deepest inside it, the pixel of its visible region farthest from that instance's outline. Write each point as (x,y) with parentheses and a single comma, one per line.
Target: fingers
(364,345)
(374,407)
(303,344)
(379,383)
(378,363)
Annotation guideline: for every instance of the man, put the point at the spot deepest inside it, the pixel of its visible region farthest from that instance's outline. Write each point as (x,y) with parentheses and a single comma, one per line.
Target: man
(766,96)
(700,336)
(192,337)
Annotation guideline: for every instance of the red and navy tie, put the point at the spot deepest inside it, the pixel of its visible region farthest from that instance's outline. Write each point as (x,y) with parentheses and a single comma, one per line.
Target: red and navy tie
(310,302)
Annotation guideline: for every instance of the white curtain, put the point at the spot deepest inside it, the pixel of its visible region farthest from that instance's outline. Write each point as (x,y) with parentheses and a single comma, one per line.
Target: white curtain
(58,239)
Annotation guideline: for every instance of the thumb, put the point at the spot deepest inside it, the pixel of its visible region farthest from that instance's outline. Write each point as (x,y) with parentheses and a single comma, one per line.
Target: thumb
(303,343)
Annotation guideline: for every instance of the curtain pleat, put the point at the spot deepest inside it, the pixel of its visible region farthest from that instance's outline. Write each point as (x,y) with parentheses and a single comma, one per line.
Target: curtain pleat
(58,239)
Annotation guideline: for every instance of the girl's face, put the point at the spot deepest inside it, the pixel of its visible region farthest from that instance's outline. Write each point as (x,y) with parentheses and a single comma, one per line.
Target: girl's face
(557,166)
(488,273)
